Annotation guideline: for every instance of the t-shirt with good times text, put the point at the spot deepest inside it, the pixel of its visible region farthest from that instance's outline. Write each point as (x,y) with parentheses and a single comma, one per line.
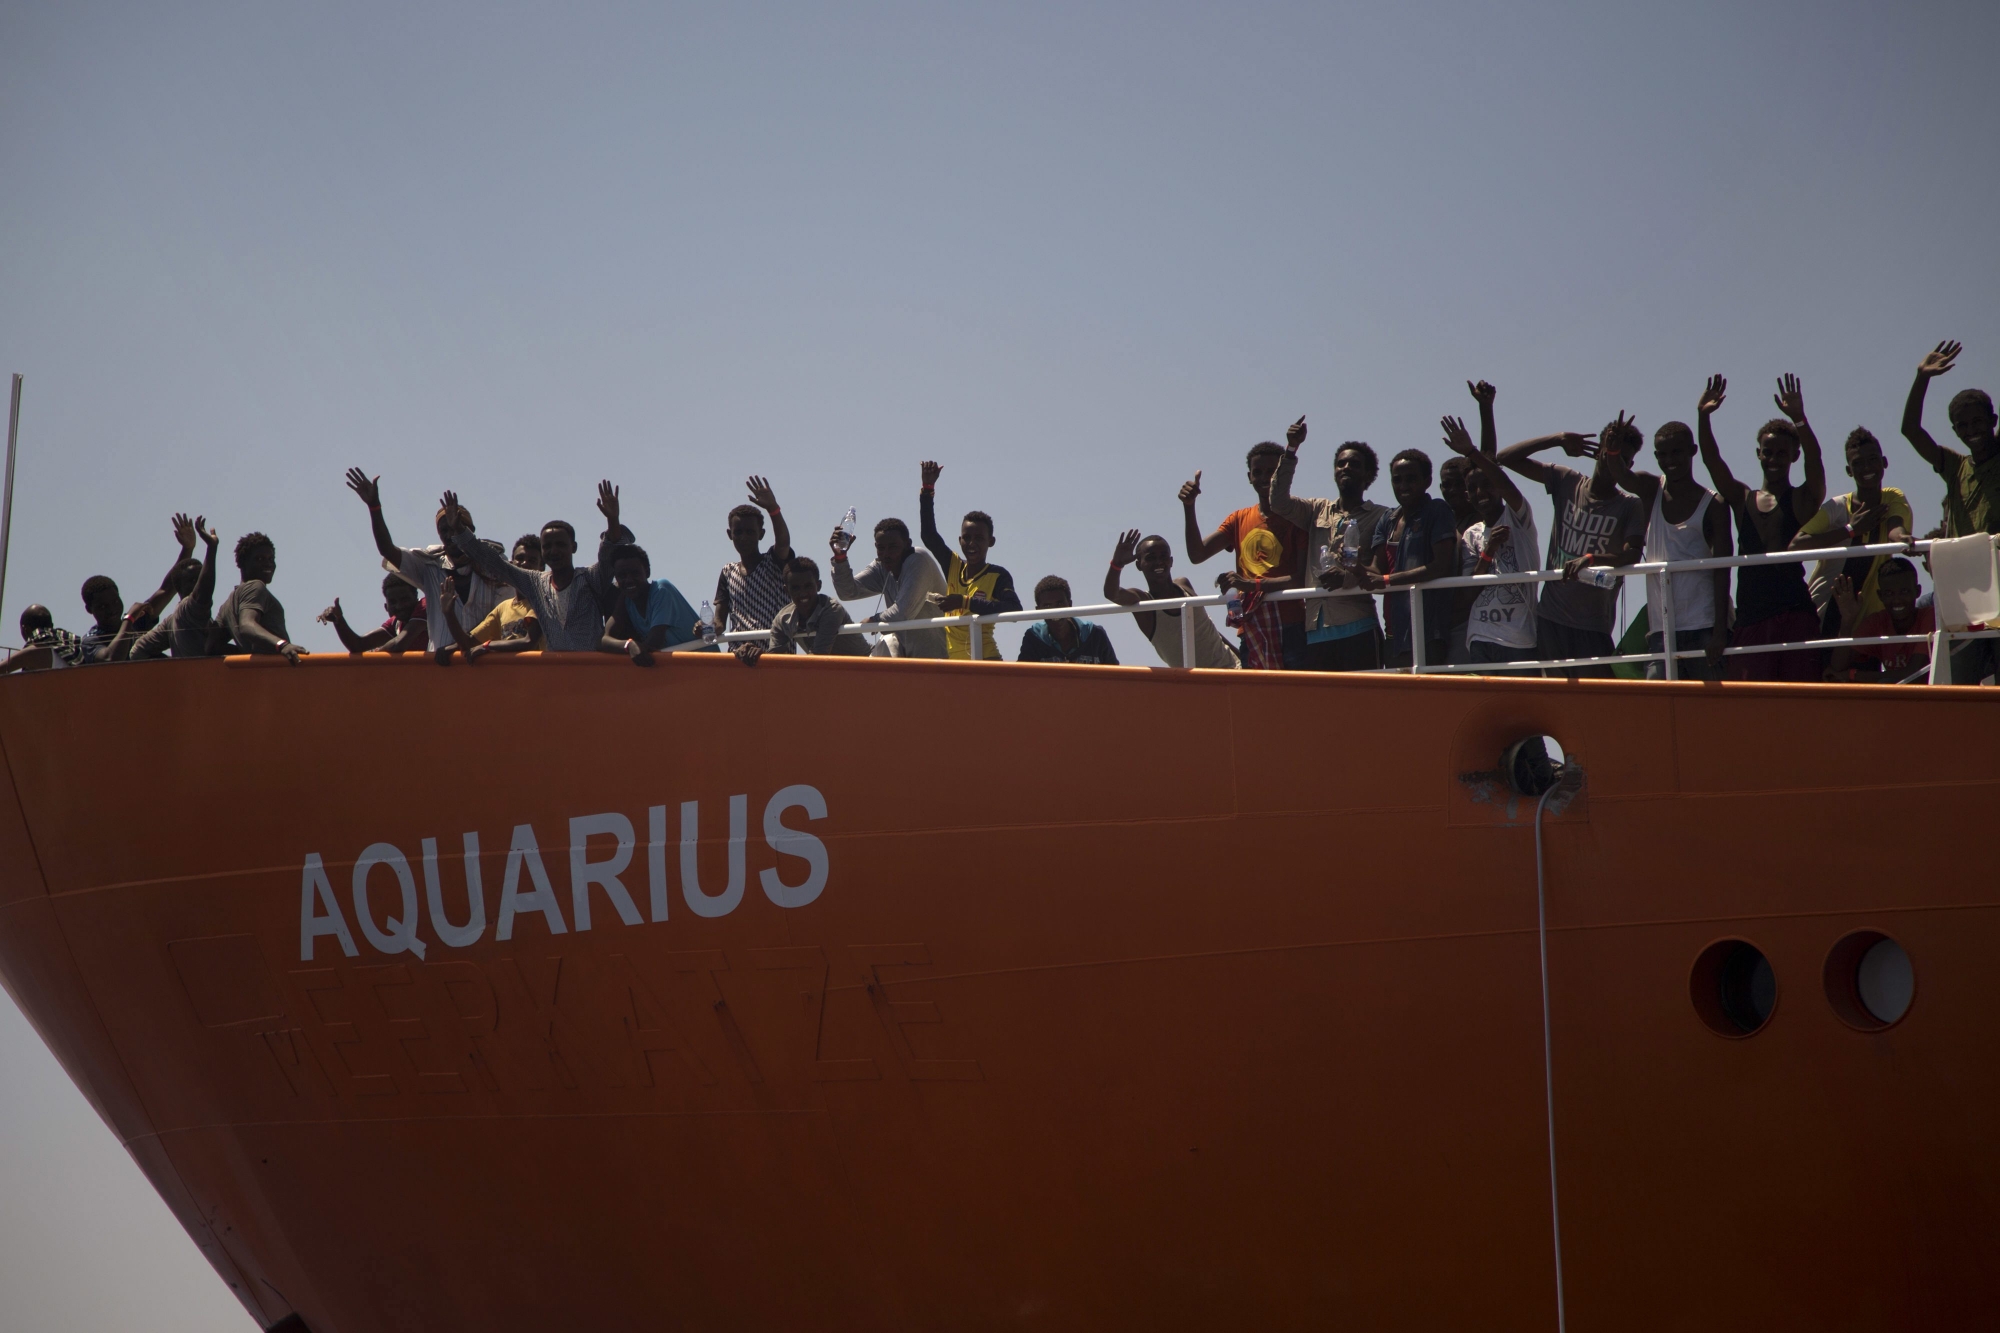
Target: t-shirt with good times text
(1585,525)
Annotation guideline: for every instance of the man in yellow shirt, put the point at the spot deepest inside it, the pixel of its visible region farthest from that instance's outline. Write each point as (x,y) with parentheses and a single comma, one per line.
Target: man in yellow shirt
(1870,514)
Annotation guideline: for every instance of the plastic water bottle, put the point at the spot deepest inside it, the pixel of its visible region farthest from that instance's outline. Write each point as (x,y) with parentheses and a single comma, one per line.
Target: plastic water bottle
(849,525)
(707,621)
(1601,577)
(1232,605)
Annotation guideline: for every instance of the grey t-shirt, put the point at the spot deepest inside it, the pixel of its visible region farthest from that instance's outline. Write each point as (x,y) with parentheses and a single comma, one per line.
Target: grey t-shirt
(1585,526)
(819,633)
(251,594)
(184,631)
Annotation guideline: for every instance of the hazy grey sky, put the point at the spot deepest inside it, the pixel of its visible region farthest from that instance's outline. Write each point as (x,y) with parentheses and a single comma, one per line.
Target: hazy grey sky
(1073,252)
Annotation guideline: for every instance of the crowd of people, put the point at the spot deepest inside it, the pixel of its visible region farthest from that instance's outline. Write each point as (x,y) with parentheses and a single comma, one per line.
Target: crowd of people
(466,596)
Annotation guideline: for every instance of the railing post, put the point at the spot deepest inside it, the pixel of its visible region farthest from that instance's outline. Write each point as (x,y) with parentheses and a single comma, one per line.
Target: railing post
(1941,658)
(1667,624)
(978,641)
(1187,636)
(1416,629)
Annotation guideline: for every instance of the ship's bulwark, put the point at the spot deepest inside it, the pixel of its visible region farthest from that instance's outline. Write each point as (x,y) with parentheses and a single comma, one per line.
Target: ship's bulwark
(1124,999)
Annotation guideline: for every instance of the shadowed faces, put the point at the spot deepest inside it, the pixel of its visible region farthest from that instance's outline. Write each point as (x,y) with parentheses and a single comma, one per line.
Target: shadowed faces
(975,538)
(1410,479)
(1972,418)
(1865,461)
(1451,479)
(399,599)
(802,586)
(1354,471)
(1896,585)
(1485,498)
(1674,450)
(1777,450)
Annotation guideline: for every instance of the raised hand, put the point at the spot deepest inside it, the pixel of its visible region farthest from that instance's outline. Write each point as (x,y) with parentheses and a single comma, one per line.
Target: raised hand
(1482,392)
(930,472)
(184,534)
(1190,489)
(1577,445)
(1456,437)
(1127,549)
(367,487)
(1712,396)
(1790,398)
(331,614)
(1846,599)
(1938,360)
(761,494)
(449,500)
(1864,520)
(1295,435)
(607,505)
(1497,537)
(208,537)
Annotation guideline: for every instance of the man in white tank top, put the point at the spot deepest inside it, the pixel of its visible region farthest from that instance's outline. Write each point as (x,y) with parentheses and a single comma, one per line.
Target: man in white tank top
(1686,523)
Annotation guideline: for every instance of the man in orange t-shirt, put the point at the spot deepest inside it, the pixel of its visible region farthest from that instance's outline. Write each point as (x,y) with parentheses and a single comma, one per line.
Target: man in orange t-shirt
(1270,557)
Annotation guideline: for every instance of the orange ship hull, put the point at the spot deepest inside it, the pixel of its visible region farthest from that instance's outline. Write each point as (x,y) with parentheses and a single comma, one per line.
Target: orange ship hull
(1027,996)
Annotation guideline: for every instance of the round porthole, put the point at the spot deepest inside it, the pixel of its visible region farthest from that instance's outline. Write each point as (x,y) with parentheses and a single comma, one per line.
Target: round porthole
(1870,981)
(1733,988)
(1532,765)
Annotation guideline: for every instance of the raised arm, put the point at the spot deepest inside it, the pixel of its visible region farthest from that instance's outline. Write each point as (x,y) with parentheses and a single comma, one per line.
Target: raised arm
(354,643)
(370,490)
(1521,457)
(1733,492)
(933,540)
(766,499)
(1936,363)
(1123,554)
(1791,400)
(184,534)
(204,586)
(1283,503)
(1459,440)
(1489,435)
(614,535)
(485,559)
(1199,548)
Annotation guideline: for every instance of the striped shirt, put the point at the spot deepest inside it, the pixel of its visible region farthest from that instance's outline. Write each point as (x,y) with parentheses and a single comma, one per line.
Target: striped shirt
(754,595)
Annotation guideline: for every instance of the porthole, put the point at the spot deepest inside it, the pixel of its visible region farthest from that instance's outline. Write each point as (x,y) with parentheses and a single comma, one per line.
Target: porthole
(1532,765)
(1733,988)
(1870,981)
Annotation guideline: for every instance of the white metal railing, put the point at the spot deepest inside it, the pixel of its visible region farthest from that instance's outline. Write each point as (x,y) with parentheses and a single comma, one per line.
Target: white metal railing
(1670,655)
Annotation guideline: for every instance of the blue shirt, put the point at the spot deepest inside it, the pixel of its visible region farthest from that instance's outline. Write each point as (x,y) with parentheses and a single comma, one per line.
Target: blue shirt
(1093,645)
(664,606)
(1434,523)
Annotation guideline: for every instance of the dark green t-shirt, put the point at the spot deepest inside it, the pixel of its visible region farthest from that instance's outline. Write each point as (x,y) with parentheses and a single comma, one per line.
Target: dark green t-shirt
(1972,496)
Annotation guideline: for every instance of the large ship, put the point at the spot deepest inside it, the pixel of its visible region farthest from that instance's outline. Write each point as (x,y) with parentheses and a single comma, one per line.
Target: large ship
(862,994)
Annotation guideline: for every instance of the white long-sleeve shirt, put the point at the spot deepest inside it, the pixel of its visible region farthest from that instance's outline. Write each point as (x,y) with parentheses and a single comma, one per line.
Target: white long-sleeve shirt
(905,596)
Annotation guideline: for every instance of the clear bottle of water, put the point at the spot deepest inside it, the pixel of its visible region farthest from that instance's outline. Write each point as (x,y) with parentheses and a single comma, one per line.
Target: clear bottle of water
(850,523)
(1232,604)
(707,621)
(1600,576)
